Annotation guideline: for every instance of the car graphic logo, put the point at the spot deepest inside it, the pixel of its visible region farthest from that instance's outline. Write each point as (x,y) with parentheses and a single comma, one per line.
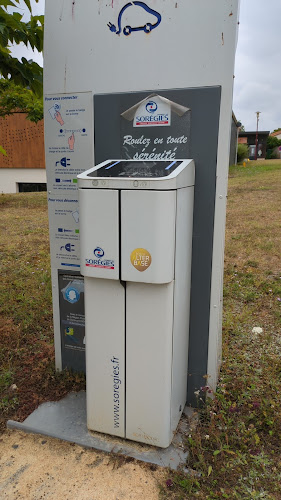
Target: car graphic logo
(127,30)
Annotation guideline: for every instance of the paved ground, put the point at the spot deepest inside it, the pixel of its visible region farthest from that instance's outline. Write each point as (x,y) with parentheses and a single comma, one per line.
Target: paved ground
(33,467)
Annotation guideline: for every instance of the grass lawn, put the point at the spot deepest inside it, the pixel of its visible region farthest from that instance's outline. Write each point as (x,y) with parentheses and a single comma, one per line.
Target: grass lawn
(234,445)
(27,373)
(235,448)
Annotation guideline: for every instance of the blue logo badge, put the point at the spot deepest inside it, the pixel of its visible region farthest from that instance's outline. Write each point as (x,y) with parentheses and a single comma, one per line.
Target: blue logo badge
(127,30)
(99,252)
(151,107)
(72,295)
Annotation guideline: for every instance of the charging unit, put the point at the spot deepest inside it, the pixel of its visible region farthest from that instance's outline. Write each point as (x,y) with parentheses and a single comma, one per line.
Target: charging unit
(132,80)
(136,239)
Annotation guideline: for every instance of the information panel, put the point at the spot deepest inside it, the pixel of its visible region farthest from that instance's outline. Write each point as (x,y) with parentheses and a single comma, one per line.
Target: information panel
(72,321)
(69,151)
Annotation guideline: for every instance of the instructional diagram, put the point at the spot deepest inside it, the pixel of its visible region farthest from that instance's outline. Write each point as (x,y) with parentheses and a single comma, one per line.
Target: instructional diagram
(64,230)
(69,151)
(69,143)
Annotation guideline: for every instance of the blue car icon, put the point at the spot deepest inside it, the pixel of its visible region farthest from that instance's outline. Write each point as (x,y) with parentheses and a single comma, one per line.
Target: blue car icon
(147,28)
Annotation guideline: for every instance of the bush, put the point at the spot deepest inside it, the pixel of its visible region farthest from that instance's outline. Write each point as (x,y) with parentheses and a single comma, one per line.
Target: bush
(272,154)
(242,152)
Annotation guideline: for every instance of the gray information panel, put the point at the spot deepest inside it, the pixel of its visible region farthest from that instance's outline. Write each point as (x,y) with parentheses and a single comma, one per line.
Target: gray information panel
(152,143)
(193,123)
(72,320)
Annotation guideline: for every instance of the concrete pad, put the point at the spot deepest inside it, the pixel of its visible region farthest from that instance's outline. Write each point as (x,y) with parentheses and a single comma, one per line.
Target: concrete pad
(66,420)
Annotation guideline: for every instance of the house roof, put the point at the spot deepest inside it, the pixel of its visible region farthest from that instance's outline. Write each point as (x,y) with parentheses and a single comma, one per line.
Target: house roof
(23,142)
(278,132)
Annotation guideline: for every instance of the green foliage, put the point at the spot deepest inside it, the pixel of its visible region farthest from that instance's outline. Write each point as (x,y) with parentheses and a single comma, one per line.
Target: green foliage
(16,98)
(15,31)
(271,145)
(273,142)
(271,154)
(21,82)
(6,379)
(242,152)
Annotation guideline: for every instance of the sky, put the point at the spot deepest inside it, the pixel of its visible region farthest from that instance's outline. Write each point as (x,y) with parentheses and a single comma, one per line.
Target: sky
(257,84)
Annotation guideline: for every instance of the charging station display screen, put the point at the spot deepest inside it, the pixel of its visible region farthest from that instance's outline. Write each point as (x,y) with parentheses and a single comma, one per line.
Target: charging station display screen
(138,169)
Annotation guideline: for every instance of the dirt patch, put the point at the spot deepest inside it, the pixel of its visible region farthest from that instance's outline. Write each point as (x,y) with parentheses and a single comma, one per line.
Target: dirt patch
(35,467)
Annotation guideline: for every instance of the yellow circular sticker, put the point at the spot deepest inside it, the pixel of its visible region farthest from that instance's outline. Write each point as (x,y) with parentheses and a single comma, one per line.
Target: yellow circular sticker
(141,259)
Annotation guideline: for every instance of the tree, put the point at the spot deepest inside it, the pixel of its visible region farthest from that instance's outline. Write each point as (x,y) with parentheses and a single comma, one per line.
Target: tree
(21,82)
(273,142)
(17,99)
(13,30)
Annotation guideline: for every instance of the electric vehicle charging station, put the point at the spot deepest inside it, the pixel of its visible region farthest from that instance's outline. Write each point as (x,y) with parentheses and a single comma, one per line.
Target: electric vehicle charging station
(141,271)
(139,81)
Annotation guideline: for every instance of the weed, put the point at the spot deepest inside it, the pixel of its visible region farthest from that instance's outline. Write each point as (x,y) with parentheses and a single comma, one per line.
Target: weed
(6,379)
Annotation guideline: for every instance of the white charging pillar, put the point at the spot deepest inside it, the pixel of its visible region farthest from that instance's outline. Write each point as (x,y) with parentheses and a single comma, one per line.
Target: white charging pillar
(120,53)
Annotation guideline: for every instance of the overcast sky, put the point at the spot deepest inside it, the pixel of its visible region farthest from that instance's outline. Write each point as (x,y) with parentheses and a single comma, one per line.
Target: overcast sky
(257,84)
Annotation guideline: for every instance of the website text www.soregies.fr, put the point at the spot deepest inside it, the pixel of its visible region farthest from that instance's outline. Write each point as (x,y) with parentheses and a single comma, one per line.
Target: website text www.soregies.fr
(116,393)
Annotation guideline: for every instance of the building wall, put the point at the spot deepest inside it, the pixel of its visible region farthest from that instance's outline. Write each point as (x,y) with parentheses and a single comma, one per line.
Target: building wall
(249,138)
(10,177)
(23,142)
(276,134)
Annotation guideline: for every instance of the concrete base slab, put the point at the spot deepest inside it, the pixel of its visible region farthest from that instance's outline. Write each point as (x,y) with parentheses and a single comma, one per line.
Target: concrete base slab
(66,420)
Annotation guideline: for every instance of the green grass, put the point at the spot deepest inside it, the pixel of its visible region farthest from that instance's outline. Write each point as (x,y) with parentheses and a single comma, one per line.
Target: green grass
(26,328)
(234,449)
(253,168)
(234,444)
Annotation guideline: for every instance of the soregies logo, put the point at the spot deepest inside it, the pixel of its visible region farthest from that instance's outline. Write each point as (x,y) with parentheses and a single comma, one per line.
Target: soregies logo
(151,107)
(99,252)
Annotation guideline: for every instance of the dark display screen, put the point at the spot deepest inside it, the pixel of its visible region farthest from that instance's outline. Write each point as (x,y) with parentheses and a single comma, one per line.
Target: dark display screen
(138,169)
